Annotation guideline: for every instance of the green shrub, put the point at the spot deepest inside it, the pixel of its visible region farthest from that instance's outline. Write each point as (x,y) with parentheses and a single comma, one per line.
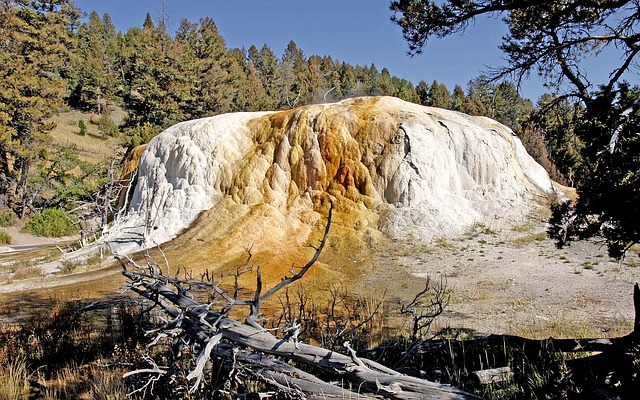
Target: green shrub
(140,134)
(5,238)
(52,222)
(8,218)
(83,128)
(106,125)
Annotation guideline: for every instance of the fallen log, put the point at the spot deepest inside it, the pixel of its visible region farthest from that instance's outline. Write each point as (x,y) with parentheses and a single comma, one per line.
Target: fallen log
(367,375)
(210,329)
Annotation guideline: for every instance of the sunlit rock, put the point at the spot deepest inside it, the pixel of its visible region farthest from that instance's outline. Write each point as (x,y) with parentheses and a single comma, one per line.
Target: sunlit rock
(418,170)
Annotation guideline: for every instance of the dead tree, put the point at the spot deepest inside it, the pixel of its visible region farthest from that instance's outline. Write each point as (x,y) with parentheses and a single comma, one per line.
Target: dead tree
(244,345)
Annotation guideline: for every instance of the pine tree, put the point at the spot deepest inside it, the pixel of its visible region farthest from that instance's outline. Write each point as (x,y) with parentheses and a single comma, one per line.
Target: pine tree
(207,65)
(422,90)
(439,95)
(148,22)
(458,99)
(95,75)
(382,86)
(248,92)
(155,79)
(403,89)
(348,80)
(35,43)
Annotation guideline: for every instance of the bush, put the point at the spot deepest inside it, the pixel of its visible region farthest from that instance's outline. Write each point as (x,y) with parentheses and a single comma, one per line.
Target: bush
(5,238)
(140,134)
(106,125)
(52,222)
(8,218)
(83,128)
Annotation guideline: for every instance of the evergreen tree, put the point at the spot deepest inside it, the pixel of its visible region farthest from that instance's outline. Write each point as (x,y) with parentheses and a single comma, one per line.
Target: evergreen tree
(35,43)
(207,64)
(249,94)
(382,84)
(478,98)
(330,71)
(422,90)
(557,126)
(439,95)
(148,22)
(291,88)
(403,89)
(313,80)
(458,99)
(348,80)
(155,78)
(608,178)
(508,107)
(95,77)
(264,65)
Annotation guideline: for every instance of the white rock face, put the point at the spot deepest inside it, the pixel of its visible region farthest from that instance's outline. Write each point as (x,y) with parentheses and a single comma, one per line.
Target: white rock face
(431,172)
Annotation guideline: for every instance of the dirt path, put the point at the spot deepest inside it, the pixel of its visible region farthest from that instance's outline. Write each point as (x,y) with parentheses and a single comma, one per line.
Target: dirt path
(20,239)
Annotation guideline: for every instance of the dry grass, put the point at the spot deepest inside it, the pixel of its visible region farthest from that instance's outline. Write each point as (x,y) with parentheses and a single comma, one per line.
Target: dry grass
(528,239)
(94,146)
(15,380)
(85,382)
(563,326)
(27,273)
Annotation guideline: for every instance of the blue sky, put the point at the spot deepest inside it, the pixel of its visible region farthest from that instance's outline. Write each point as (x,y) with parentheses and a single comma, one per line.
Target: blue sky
(355,31)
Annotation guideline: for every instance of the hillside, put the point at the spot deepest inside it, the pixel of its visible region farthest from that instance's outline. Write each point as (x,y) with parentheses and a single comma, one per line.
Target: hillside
(261,181)
(405,168)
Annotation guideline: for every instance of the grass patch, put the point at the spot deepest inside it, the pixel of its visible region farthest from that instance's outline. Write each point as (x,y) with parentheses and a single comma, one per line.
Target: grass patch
(68,267)
(478,229)
(58,352)
(27,273)
(528,239)
(15,380)
(5,238)
(632,262)
(445,243)
(587,265)
(560,326)
(96,145)
(522,228)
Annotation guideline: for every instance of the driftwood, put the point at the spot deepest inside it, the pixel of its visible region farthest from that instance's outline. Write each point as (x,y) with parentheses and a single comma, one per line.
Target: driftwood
(277,358)
(219,335)
(492,376)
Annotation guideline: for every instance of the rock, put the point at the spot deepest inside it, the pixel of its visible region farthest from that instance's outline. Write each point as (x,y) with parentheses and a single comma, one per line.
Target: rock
(419,170)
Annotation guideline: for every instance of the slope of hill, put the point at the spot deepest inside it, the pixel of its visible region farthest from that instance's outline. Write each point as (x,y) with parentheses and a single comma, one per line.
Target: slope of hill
(391,166)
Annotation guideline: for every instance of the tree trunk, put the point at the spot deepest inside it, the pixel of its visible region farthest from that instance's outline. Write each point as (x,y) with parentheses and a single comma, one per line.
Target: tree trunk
(368,376)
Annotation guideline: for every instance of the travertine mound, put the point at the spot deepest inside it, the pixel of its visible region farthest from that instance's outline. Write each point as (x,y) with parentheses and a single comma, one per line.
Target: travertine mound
(391,166)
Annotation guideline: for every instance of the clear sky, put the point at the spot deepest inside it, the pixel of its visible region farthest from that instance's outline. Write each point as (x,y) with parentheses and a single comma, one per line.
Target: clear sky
(358,32)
